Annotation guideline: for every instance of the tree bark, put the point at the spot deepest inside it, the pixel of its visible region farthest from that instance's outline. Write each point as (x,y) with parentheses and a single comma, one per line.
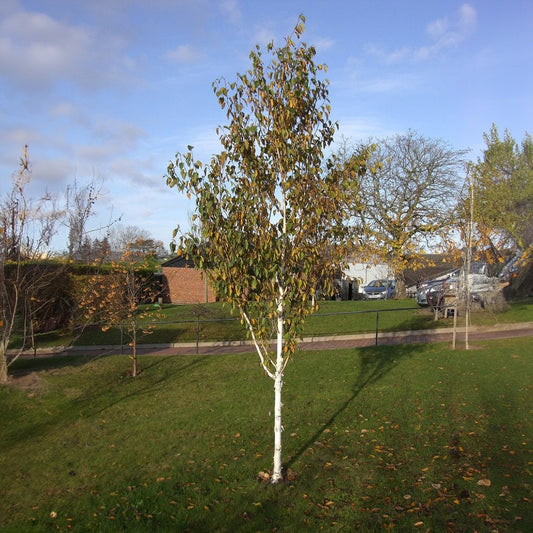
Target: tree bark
(401,291)
(134,368)
(3,366)
(278,384)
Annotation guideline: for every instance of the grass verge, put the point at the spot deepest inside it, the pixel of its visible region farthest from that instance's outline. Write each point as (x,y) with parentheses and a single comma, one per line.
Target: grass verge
(415,436)
(214,322)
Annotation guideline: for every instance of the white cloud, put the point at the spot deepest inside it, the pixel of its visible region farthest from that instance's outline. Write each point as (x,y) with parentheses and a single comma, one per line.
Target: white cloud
(37,51)
(448,34)
(360,129)
(323,43)
(34,47)
(231,10)
(70,112)
(387,84)
(184,53)
(443,33)
(467,18)
(52,172)
(389,57)
(263,36)
(19,136)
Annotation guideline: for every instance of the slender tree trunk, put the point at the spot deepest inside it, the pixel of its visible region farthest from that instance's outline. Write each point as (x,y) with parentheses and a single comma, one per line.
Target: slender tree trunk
(3,364)
(278,384)
(134,342)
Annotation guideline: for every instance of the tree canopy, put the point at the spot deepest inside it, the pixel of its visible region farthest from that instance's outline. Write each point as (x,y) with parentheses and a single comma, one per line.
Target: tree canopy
(268,214)
(502,179)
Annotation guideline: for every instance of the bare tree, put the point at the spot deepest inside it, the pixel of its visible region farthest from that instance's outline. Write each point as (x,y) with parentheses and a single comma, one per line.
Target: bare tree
(79,202)
(26,229)
(406,200)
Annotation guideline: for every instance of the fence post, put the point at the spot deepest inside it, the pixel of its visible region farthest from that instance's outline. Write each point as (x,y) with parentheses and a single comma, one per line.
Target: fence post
(197,334)
(377,326)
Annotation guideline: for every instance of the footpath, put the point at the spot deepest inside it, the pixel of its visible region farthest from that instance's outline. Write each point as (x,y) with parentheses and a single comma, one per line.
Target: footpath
(475,333)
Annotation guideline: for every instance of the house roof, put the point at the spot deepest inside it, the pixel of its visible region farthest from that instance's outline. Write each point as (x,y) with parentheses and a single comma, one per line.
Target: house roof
(178,262)
(433,265)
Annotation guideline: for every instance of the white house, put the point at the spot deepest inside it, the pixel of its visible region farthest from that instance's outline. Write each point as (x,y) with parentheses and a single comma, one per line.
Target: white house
(364,273)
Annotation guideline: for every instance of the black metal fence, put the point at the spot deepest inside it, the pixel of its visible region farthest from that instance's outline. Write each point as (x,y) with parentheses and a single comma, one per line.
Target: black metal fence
(372,324)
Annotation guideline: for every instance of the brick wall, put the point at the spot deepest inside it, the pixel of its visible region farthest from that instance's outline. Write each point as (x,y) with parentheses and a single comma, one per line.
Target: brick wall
(186,286)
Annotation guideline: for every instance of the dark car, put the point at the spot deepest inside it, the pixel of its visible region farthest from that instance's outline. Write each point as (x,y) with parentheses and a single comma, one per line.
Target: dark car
(379,289)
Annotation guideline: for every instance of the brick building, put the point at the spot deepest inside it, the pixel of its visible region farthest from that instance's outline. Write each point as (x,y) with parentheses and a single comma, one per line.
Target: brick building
(183,284)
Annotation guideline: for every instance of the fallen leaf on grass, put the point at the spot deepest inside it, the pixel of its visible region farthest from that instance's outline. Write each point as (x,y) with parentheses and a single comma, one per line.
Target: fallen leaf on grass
(263,476)
(505,491)
(484,482)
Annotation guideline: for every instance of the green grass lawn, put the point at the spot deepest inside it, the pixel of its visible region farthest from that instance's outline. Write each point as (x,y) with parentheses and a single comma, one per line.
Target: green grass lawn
(214,322)
(416,437)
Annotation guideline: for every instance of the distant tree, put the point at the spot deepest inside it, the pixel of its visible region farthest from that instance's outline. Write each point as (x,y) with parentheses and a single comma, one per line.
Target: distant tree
(85,250)
(268,214)
(406,200)
(502,180)
(26,229)
(142,249)
(100,250)
(79,202)
(138,242)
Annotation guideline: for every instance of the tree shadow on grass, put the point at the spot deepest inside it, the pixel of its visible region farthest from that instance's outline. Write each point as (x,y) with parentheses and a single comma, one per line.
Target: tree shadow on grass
(26,365)
(193,362)
(92,402)
(375,362)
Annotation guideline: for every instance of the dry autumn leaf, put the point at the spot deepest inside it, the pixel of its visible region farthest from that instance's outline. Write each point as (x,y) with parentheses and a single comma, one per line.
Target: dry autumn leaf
(263,476)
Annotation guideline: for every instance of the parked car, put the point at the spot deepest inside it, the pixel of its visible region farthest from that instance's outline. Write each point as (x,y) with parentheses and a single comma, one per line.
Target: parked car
(431,291)
(379,289)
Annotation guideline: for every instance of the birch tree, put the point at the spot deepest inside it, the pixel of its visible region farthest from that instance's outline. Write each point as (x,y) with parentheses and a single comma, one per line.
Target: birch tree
(79,203)
(267,212)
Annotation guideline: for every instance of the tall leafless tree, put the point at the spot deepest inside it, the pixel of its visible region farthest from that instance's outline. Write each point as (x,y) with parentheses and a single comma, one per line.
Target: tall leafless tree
(26,229)
(405,200)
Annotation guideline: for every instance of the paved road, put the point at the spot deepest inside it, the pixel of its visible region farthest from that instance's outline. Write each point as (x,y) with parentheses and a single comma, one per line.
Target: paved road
(320,343)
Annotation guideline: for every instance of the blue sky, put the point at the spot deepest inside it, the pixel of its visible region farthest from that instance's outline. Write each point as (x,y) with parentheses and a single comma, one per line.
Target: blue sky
(112,89)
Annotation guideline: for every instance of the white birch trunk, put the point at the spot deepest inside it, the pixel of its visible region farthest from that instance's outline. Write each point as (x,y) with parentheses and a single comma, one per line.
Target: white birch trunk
(278,384)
